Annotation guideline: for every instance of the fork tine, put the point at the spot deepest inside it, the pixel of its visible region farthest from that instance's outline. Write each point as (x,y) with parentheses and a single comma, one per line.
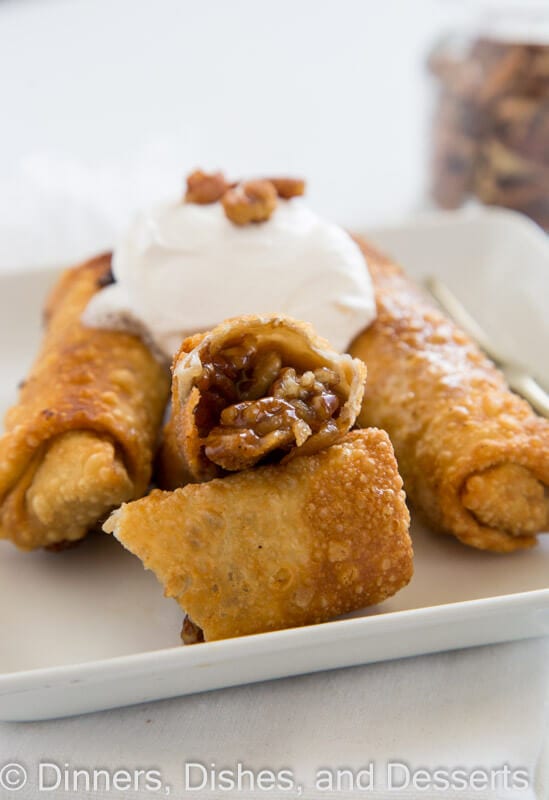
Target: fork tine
(457,311)
(518,378)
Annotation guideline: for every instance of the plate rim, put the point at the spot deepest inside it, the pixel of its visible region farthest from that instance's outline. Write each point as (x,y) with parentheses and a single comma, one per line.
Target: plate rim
(288,639)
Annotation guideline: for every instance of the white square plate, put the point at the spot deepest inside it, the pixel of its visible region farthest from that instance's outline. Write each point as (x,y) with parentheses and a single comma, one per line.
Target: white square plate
(89,629)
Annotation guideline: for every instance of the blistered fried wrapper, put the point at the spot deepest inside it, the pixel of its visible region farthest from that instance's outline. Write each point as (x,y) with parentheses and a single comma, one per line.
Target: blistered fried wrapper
(256,389)
(278,546)
(81,437)
(474,456)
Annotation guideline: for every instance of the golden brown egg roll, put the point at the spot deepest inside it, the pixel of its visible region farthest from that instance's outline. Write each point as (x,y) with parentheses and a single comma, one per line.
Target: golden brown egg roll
(81,437)
(255,389)
(473,455)
(277,546)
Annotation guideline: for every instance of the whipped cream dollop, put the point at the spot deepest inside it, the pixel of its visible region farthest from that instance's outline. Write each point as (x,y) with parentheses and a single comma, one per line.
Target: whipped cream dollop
(183,268)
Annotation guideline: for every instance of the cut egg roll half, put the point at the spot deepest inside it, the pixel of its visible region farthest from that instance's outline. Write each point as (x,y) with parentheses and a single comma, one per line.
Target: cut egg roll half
(277,546)
(256,389)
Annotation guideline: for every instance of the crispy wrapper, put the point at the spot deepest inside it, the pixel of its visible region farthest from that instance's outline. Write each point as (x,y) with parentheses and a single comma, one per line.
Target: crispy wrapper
(473,455)
(278,546)
(255,389)
(81,437)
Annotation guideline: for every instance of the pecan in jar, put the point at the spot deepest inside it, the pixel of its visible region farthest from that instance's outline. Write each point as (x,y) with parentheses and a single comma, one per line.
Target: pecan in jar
(491,128)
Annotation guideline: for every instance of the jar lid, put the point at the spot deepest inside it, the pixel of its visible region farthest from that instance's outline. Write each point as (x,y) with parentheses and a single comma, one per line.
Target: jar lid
(511,21)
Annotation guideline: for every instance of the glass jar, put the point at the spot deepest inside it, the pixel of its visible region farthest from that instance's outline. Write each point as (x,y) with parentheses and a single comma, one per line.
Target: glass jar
(491,123)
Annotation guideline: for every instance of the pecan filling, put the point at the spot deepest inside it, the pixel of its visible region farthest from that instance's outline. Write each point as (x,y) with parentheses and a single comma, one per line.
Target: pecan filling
(190,632)
(253,405)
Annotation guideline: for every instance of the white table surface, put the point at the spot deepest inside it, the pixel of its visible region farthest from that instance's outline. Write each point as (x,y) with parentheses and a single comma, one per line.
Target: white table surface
(108,103)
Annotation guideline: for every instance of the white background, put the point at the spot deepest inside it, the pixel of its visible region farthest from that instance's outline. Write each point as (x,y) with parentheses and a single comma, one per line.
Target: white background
(335,90)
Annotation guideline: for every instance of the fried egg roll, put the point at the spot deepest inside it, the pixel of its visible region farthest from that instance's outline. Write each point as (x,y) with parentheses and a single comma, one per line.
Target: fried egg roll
(277,546)
(80,439)
(255,389)
(473,455)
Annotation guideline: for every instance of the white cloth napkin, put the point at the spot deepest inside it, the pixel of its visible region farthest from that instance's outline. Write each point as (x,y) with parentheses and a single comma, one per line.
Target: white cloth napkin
(480,709)
(477,709)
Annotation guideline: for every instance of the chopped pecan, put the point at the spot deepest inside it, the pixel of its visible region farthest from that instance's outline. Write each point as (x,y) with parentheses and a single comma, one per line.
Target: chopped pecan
(288,187)
(190,632)
(278,406)
(253,201)
(204,188)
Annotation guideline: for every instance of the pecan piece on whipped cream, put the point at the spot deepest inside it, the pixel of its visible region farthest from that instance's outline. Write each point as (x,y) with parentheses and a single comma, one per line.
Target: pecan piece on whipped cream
(287,188)
(204,188)
(252,201)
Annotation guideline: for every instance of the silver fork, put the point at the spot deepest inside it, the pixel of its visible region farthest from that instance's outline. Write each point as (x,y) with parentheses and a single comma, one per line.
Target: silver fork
(516,375)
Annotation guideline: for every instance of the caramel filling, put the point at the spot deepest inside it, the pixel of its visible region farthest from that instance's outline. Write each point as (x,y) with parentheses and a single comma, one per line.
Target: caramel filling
(255,403)
(190,632)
